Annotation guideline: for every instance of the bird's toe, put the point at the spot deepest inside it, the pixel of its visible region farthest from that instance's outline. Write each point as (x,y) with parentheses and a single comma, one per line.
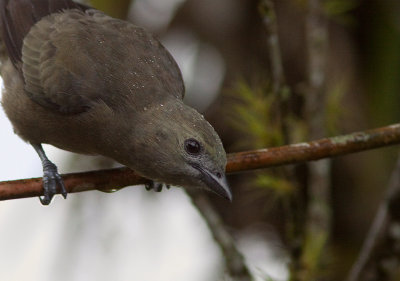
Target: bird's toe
(52,183)
(156,186)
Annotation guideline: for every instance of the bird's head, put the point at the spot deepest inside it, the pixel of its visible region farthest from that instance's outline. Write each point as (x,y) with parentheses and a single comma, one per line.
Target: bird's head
(174,144)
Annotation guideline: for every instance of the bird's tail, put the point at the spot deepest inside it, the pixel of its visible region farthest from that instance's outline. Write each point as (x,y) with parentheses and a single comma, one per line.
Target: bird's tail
(18,16)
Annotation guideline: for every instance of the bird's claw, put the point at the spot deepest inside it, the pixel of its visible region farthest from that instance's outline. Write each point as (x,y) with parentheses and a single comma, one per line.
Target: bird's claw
(156,186)
(51,180)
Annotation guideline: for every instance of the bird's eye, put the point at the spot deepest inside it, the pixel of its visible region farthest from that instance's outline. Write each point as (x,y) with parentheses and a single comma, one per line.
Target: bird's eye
(192,146)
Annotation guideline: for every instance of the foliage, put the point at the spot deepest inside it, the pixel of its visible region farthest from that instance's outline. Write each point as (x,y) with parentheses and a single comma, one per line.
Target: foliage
(116,8)
(251,114)
(340,10)
(340,7)
(334,109)
(254,114)
(280,186)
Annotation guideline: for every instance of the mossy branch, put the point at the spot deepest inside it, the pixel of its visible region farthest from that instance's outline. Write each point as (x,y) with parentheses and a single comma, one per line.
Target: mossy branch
(114,179)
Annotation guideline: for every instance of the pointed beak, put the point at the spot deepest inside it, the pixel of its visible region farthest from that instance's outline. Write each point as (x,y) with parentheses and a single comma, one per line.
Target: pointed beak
(216,183)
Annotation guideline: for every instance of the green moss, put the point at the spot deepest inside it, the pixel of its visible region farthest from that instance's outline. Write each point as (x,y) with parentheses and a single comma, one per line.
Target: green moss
(116,8)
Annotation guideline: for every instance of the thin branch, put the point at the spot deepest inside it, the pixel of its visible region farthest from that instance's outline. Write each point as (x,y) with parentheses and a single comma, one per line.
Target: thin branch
(280,89)
(235,265)
(103,180)
(114,179)
(379,256)
(314,150)
(284,113)
(270,22)
(318,212)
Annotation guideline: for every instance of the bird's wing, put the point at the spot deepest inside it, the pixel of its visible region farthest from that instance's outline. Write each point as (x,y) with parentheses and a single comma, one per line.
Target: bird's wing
(73,59)
(59,73)
(18,16)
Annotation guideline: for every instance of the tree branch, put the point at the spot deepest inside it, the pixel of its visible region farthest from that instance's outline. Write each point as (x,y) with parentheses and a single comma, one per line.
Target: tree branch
(267,8)
(318,208)
(379,256)
(236,267)
(314,150)
(114,179)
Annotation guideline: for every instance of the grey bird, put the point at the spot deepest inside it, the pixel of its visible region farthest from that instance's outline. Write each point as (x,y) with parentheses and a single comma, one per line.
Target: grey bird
(88,83)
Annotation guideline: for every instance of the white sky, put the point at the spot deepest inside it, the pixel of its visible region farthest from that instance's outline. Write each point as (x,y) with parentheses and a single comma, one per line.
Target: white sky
(128,235)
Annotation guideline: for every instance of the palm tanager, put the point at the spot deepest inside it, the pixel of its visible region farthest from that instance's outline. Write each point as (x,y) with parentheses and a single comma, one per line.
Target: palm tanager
(88,83)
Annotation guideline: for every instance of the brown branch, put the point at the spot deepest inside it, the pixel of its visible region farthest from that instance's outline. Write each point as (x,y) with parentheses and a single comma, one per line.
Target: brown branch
(314,150)
(236,267)
(268,13)
(104,180)
(379,256)
(114,179)
(318,208)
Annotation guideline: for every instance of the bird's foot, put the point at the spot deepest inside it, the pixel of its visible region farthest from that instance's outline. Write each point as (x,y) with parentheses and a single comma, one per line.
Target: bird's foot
(51,180)
(156,186)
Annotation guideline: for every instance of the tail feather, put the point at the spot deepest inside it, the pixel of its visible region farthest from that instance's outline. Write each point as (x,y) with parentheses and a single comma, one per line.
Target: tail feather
(18,16)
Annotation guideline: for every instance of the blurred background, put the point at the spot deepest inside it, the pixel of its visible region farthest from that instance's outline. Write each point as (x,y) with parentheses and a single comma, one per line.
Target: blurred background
(264,73)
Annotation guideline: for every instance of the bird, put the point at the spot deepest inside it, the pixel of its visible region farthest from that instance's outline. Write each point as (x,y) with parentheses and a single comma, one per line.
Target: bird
(89,83)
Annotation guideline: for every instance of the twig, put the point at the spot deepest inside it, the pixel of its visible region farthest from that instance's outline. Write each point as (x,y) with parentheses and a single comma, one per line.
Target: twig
(314,150)
(282,111)
(114,179)
(379,256)
(269,18)
(280,89)
(318,215)
(235,265)
(104,180)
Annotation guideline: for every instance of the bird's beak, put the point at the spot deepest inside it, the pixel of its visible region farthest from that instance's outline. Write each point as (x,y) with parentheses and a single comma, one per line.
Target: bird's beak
(216,183)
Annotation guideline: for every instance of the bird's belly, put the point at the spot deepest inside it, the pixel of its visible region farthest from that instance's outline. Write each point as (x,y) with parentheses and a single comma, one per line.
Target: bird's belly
(36,124)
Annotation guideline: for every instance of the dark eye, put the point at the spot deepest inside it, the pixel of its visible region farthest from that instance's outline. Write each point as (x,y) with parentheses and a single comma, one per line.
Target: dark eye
(192,146)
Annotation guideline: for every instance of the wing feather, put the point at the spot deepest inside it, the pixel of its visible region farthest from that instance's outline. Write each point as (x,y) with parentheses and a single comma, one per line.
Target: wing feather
(72,59)
(18,16)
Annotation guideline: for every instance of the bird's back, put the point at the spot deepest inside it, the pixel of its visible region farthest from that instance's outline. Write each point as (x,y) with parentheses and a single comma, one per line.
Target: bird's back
(85,82)
(18,16)
(72,57)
